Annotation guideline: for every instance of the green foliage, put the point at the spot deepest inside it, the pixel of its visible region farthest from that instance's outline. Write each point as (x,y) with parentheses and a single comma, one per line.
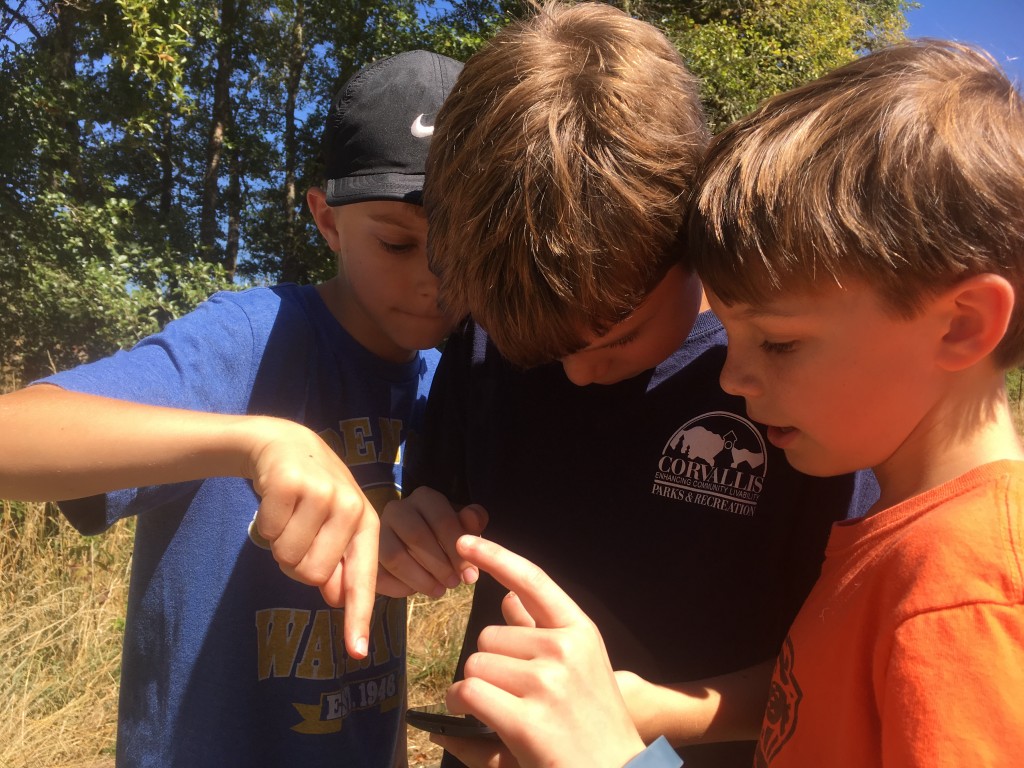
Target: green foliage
(148,39)
(745,52)
(116,114)
(1015,386)
(464,27)
(79,288)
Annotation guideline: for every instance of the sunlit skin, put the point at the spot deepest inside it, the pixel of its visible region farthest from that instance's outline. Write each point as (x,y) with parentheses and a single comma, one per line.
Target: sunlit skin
(843,383)
(384,295)
(655,330)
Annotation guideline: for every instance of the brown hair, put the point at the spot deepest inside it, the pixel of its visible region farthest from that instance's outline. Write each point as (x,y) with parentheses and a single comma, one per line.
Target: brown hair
(904,168)
(557,177)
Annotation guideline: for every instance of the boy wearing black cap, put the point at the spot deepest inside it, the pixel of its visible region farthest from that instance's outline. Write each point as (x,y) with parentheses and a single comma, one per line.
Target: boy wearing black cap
(295,400)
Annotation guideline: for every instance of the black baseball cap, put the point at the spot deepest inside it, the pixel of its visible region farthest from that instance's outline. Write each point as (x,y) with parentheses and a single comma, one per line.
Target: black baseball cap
(379,127)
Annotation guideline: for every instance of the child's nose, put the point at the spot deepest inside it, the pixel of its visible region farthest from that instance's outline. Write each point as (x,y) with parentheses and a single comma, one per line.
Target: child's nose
(428,284)
(737,378)
(579,370)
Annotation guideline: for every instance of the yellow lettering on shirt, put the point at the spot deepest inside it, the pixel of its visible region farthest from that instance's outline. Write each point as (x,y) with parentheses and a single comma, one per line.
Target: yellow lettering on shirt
(278,634)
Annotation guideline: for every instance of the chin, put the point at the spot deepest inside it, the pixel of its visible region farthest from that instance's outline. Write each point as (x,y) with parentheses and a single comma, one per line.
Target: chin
(817,465)
(607,382)
(424,341)
(422,334)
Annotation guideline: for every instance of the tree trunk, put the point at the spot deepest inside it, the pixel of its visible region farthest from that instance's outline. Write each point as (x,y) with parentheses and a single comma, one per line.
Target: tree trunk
(292,267)
(220,114)
(234,201)
(64,154)
(165,158)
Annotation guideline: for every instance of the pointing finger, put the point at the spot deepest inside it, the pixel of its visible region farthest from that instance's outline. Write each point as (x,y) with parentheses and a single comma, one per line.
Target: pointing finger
(543,599)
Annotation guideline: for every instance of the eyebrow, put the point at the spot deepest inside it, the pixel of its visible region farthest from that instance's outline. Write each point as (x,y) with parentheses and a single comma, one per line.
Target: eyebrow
(761,311)
(397,220)
(756,313)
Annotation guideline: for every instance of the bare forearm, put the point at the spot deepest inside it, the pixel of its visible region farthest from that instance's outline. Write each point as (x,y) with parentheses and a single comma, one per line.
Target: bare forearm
(61,445)
(58,445)
(724,708)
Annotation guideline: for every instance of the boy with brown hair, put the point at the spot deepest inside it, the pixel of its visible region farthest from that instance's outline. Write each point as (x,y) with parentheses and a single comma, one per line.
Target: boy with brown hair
(556,178)
(555,193)
(862,239)
(293,400)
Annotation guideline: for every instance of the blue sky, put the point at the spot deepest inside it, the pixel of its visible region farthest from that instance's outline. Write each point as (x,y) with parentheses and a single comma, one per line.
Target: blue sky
(995,25)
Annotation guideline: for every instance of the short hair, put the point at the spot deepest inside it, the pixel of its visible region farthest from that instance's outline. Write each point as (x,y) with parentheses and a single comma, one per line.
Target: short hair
(904,168)
(557,177)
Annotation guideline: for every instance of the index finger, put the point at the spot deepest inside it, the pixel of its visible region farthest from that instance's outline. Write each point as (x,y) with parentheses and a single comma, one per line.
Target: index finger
(353,585)
(545,601)
(360,580)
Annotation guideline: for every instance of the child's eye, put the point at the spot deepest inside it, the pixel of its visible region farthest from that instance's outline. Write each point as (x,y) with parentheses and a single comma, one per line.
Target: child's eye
(778,347)
(395,247)
(625,340)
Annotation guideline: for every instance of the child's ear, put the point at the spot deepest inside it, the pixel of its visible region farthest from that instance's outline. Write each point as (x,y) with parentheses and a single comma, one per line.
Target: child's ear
(977,312)
(323,215)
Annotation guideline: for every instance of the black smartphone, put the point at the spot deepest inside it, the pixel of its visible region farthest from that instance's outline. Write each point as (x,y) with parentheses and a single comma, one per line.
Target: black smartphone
(435,718)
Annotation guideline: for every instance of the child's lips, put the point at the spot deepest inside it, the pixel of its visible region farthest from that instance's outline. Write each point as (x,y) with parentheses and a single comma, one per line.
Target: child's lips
(781,437)
(427,316)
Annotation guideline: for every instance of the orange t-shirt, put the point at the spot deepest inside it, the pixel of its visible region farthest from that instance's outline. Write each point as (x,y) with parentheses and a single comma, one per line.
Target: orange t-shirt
(909,651)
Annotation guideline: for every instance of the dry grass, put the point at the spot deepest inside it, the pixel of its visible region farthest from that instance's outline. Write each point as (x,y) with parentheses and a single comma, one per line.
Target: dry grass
(435,639)
(62,598)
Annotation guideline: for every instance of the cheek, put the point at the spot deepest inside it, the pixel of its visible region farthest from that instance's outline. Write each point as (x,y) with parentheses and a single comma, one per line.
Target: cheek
(638,360)
(364,285)
(379,281)
(654,351)
(812,395)
(868,409)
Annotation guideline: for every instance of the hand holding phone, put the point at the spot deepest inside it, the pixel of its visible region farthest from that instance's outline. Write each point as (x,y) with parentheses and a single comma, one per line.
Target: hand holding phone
(544,681)
(435,718)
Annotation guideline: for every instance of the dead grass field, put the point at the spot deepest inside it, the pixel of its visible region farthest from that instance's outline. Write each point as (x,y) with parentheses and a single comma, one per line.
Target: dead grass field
(62,599)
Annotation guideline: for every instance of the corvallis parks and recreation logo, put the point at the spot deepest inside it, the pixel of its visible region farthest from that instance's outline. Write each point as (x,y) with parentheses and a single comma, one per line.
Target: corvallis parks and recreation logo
(716,460)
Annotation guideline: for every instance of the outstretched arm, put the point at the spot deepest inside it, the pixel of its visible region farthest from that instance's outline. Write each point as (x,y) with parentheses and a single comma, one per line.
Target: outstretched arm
(323,531)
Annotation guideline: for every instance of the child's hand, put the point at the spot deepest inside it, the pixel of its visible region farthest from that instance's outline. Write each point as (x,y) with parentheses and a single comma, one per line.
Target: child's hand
(544,683)
(322,530)
(417,544)
(477,753)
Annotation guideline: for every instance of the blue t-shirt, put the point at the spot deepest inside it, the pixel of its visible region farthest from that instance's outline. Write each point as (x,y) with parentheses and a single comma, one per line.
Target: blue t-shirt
(227,661)
(655,502)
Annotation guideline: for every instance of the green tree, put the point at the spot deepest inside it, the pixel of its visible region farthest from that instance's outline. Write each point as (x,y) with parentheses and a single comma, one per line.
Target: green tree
(308,51)
(745,52)
(82,87)
(153,150)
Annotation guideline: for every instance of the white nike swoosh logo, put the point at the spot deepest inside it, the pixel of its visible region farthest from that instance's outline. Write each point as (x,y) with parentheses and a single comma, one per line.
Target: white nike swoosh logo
(419,130)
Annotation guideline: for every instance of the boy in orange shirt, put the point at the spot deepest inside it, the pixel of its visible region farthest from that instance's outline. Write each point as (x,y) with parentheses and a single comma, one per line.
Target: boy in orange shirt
(862,240)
